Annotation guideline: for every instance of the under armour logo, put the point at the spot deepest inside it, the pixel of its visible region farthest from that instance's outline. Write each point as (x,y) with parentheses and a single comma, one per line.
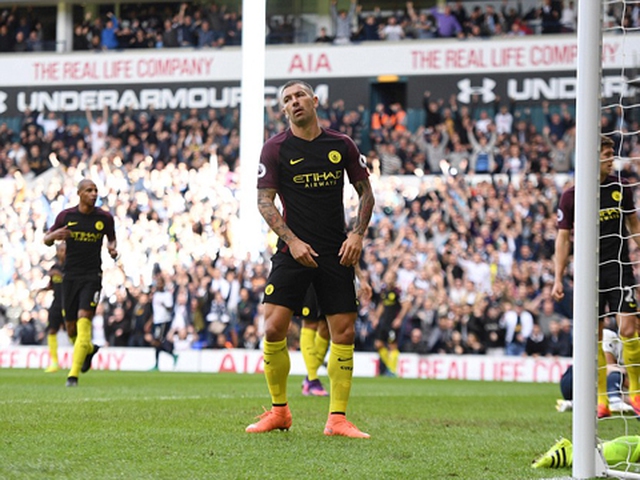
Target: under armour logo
(3,105)
(486,90)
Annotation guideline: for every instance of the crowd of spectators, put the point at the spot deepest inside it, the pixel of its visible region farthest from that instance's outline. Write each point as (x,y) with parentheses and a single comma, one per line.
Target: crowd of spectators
(198,25)
(472,251)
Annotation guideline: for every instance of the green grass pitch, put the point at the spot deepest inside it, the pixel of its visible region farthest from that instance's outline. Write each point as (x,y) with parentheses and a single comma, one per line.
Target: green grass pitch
(134,425)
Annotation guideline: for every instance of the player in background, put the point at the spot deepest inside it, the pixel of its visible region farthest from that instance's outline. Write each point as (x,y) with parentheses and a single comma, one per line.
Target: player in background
(617,378)
(83,228)
(618,222)
(306,166)
(315,336)
(388,317)
(55,319)
(314,344)
(162,315)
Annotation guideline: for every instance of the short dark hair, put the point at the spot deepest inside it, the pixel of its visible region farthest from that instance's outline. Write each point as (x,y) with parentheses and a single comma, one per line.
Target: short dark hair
(290,83)
(606,141)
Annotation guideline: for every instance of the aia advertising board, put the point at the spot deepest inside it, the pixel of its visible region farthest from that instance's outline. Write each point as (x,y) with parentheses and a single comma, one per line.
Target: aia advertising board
(438,367)
(527,69)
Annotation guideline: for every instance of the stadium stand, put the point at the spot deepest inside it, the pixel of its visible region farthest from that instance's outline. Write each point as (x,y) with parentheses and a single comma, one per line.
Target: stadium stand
(466,246)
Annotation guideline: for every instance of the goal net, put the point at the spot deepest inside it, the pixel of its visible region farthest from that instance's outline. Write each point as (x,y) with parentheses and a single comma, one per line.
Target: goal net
(610,446)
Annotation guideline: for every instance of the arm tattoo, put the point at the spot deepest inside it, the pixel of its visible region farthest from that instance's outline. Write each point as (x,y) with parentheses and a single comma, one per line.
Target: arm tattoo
(272,215)
(365,206)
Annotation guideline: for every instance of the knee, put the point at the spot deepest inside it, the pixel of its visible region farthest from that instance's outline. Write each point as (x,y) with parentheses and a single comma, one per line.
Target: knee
(323,329)
(627,327)
(344,335)
(275,331)
(342,327)
(309,325)
(71,329)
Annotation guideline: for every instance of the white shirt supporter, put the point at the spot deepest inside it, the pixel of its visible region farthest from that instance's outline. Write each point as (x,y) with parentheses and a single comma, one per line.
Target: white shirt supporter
(162,304)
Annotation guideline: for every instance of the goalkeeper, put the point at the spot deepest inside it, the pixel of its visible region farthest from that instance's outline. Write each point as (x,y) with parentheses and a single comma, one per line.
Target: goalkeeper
(619,450)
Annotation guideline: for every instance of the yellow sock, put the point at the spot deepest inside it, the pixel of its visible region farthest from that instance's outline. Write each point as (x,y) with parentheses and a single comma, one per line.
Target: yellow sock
(308,350)
(276,370)
(340,371)
(82,346)
(392,363)
(383,353)
(322,345)
(52,341)
(631,359)
(603,398)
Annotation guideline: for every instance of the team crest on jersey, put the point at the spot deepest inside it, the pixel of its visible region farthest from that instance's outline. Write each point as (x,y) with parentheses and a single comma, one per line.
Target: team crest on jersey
(262,170)
(334,156)
(616,195)
(269,289)
(99,225)
(305,311)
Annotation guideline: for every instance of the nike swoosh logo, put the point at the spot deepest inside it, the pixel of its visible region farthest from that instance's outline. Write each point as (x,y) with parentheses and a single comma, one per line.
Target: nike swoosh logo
(266,363)
(71,224)
(296,161)
(344,359)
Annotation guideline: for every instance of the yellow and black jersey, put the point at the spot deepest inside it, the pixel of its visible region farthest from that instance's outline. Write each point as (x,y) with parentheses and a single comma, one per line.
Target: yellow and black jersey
(84,246)
(309,179)
(616,201)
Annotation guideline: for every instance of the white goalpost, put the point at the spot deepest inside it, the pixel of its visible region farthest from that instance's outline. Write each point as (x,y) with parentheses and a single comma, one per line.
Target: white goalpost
(251,123)
(587,459)
(585,310)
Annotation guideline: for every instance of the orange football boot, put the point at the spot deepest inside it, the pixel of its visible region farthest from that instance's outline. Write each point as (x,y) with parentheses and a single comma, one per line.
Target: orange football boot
(278,418)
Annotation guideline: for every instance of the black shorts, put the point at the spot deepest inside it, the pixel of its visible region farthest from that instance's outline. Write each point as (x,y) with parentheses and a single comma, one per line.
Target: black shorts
(617,291)
(56,319)
(288,282)
(160,331)
(383,331)
(82,293)
(311,311)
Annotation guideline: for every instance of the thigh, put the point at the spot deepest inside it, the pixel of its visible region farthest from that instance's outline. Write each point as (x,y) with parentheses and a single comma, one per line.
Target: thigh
(89,294)
(160,331)
(71,328)
(382,330)
(55,320)
(70,299)
(617,290)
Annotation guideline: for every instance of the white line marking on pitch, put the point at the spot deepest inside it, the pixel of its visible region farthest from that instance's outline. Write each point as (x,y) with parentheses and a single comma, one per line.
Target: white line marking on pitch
(170,398)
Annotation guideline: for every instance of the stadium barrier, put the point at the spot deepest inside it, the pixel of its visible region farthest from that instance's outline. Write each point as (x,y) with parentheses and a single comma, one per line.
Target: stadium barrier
(439,367)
